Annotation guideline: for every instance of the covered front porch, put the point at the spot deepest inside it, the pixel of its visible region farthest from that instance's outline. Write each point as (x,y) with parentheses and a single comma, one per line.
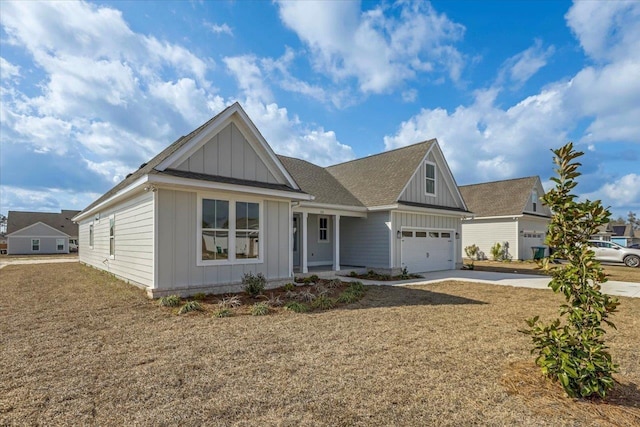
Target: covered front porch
(316,240)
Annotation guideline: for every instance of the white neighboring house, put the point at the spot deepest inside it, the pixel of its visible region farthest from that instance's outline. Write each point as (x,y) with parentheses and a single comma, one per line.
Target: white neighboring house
(39,233)
(219,203)
(506,211)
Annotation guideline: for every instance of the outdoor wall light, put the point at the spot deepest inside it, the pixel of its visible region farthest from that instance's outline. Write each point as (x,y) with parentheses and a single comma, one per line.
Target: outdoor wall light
(398,235)
(457,236)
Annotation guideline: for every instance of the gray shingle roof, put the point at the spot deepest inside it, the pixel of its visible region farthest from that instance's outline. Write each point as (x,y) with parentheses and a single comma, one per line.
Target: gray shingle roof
(319,182)
(17,220)
(226,180)
(379,179)
(498,198)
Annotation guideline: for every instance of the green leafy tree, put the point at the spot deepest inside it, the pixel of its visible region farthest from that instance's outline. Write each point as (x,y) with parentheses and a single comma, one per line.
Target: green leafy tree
(574,352)
(632,219)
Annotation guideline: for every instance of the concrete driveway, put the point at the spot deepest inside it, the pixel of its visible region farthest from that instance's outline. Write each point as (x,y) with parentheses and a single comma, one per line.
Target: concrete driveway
(624,289)
(36,260)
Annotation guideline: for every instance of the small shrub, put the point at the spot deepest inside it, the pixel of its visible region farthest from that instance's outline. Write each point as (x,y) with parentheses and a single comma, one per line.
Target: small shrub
(230,302)
(496,251)
(472,252)
(357,287)
(289,287)
(353,274)
(307,281)
(253,285)
(291,295)
(299,279)
(296,307)
(223,312)
(260,309)
(306,296)
(169,301)
(314,278)
(348,297)
(404,275)
(274,301)
(200,296)
(190,306)
(333,283)
(323,302)
(320,289)
(371,273)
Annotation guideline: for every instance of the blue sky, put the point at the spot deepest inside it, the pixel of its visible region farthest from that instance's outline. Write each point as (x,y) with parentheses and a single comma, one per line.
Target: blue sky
(89,91)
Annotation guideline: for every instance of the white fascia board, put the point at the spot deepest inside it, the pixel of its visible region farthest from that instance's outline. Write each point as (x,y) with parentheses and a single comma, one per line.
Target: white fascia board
(36,223)
(455,189)
(498,217)
(235,188)
(431,211)
(335,207)
(119,195)
(324,210)
(382,208)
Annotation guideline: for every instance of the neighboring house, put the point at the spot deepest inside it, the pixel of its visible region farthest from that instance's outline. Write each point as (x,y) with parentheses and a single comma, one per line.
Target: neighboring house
(624,234)
(219,203)
(3,243)
(33,233)
(506,211)
(604,233)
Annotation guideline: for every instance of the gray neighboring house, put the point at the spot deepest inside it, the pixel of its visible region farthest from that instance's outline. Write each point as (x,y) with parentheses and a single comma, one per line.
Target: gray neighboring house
(33,233)
(506,211)
(624,234)
(219,203)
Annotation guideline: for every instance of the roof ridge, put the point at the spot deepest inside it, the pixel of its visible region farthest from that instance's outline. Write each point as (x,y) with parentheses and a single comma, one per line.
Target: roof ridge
(501,180)
(383,152)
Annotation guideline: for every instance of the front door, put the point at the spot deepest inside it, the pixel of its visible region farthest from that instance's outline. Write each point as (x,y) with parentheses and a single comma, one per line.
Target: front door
(296,240)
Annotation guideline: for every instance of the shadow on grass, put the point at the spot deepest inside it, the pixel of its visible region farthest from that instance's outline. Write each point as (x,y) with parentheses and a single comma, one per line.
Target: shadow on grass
(510,269)
(398,296)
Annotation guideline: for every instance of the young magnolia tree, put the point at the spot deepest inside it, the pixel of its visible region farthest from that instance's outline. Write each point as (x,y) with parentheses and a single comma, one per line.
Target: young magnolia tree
(574,352)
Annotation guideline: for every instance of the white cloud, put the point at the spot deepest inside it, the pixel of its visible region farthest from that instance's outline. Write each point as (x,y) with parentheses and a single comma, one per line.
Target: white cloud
(249,76)
(219,29)
(606,30)
(409,95)
(521,67)
(44,199)
(623,192)
(8,70)
(378,50)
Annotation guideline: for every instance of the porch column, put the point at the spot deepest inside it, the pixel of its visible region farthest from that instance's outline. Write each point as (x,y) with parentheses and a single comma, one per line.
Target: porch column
(336,243)
(303,248)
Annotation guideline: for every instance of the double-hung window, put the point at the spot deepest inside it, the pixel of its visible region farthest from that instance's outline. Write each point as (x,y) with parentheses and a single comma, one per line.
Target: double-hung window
(534,200)
(91,236)
(229,231)
(60,244)
(35,245)
(430,178)
(323,229)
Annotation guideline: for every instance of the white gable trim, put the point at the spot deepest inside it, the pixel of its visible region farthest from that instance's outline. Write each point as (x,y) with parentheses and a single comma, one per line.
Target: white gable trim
(233,114)
(120,194)
(61,233)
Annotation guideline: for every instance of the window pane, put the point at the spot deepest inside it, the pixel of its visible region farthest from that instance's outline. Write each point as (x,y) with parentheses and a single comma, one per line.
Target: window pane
(241,215)
(253,216)
(247,244)
(430,171)
(421,234)
(431,186)
(60,244)
(434,234)
(445,235)
(112,247)
(407,234)
(111,227)
(35,245)
(215,214)
(215,245)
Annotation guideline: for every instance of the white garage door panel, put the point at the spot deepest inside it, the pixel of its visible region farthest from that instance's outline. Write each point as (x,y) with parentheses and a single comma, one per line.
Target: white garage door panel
(427,250)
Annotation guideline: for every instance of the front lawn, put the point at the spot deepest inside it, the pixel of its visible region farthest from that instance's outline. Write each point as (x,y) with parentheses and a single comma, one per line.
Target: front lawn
(79,347)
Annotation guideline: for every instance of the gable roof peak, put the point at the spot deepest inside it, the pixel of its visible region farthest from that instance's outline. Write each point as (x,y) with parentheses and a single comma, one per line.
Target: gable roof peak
(387,152)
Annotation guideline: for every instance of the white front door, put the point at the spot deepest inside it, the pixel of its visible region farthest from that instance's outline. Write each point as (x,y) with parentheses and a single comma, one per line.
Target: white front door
(427,250)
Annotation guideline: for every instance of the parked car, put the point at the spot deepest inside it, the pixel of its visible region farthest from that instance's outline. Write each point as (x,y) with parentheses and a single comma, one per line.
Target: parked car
(634,246)
(612,252)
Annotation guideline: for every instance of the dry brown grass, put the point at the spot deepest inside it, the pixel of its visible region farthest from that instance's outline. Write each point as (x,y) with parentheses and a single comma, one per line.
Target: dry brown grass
(619,273)
(79,347)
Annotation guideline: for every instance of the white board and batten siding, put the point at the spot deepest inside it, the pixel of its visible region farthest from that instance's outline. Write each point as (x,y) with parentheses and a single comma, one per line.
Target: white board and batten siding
(177,261)
(229,154)
(425,222)
(365,241)
(134,239)
(415,190)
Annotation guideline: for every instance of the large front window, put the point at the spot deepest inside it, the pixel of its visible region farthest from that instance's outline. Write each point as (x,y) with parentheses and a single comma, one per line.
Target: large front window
(230,230)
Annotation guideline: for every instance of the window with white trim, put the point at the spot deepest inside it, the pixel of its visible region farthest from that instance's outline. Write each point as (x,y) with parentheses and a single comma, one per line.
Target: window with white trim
(430,178)
(112,237)
(534,199)
(35,245)
(323,229)
(91,236)
(229,231)
(60,244)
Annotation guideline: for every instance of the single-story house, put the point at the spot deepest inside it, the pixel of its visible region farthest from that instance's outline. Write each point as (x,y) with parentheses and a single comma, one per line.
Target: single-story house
(508,211)
(219,203)
(33,233)
(624,234)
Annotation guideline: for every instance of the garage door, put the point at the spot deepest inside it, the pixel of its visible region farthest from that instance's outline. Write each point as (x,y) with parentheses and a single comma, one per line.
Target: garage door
(531,239)
(427,250)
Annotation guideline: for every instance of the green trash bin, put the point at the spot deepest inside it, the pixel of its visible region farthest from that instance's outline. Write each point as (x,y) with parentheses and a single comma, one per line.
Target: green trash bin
(538,252)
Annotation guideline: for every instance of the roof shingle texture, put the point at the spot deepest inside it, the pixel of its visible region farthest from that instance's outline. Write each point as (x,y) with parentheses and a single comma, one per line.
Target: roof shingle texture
(17,220)
(319,182)
(498,198)
(378,180)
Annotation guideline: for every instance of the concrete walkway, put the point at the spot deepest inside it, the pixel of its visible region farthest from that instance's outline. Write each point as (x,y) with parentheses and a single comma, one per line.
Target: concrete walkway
(22,261)
(624,289)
